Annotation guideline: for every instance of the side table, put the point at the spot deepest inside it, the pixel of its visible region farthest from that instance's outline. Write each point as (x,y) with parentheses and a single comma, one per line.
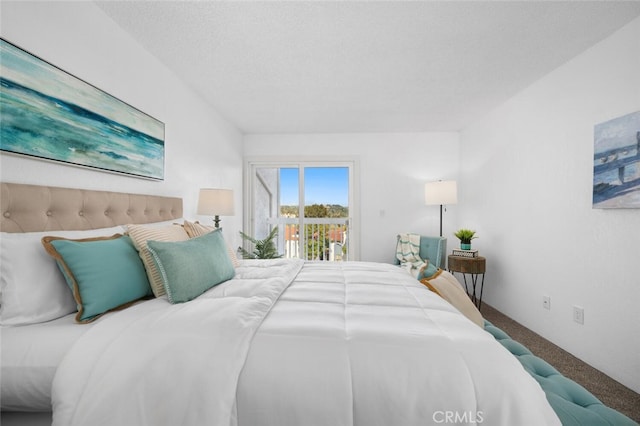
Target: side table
(474,266)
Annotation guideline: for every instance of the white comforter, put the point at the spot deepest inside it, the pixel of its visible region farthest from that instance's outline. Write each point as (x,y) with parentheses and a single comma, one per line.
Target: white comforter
(345,344)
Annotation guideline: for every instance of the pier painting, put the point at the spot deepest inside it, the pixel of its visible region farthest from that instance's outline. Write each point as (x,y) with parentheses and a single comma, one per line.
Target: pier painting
(49,114)
(616,163)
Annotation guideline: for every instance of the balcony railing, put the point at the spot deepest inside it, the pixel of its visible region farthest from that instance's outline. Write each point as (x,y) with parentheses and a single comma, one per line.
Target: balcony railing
(324,239)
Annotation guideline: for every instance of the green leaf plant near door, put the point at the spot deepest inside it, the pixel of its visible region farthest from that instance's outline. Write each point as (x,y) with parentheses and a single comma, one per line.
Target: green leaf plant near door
(263,249)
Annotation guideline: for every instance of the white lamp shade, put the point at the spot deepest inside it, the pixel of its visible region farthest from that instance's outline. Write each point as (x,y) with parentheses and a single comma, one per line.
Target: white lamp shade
(218,202)
(441,192)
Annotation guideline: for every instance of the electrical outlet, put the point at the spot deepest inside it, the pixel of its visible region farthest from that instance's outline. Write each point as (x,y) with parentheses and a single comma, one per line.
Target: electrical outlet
(546,302)
(578,314)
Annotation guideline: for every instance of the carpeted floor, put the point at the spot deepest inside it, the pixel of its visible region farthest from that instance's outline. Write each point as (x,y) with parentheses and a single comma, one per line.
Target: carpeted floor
(607,390)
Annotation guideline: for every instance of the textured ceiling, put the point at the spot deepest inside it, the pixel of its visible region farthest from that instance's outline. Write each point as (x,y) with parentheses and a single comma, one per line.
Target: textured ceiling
(369,66)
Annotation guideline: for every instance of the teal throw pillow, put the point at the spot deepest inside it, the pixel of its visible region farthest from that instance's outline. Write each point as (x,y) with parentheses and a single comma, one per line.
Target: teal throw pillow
(429,271)
(104,273)
(189,268)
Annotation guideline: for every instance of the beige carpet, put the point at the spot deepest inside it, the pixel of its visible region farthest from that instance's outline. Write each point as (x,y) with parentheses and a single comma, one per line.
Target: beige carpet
(607,390)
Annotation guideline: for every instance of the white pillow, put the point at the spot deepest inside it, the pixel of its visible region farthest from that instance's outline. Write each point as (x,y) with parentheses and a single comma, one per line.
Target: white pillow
(32,287)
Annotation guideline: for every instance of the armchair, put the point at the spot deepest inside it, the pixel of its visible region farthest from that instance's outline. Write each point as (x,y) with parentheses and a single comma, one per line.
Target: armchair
(433,249)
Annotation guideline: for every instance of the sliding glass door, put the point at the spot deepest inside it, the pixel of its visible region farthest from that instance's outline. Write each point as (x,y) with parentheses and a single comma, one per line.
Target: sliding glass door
(311,203)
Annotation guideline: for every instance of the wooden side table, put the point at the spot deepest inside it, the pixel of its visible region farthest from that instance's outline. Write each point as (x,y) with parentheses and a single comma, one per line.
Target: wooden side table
(474,266)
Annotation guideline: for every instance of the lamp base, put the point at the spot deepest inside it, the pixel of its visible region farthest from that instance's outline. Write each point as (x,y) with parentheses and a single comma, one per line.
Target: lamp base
(216,221)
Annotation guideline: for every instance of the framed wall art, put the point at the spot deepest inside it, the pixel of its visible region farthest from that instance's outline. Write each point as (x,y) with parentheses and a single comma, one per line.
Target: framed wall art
(49,114)
(616,163)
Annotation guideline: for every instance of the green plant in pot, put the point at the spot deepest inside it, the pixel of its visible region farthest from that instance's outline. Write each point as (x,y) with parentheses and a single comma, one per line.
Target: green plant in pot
(465,236)
(263,249)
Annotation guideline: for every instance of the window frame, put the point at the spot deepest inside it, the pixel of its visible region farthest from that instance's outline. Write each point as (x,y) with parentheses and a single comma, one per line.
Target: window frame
(252,163)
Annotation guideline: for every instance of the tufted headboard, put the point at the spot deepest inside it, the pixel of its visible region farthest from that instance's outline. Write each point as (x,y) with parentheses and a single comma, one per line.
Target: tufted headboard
(32,208)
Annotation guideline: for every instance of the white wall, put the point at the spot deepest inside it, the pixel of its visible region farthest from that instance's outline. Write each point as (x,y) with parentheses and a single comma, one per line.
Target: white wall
(392,171)
(201,149)
(526,185)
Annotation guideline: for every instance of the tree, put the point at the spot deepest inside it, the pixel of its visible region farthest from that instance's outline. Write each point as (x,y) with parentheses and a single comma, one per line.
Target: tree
(316,210)
(289,211)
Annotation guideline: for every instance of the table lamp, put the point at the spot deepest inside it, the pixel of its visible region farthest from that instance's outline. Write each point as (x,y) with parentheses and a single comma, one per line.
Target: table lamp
(216,202)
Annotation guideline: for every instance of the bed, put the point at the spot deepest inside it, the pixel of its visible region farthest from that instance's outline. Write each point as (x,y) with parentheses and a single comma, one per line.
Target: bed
(273,343)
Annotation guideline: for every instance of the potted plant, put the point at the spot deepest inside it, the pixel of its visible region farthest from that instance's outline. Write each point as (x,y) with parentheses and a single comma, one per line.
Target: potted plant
(263,249)
(465,236)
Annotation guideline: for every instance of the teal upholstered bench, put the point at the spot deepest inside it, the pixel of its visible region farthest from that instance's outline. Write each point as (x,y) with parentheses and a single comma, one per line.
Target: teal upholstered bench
(573,404)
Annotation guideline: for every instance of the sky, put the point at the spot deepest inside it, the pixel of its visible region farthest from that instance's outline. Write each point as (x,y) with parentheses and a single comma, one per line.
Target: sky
(323,185)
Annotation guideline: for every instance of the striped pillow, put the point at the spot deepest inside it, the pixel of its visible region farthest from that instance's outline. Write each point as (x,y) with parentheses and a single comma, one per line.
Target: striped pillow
(140,234)
(196,229)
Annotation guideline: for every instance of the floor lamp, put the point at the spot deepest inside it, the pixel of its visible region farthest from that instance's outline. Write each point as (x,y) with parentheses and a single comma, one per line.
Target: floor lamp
(442,193)
(215,202)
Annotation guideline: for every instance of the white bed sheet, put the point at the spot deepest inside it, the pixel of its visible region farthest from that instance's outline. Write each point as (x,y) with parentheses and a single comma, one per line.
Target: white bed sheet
(346,344)
(356,343)
(29,357)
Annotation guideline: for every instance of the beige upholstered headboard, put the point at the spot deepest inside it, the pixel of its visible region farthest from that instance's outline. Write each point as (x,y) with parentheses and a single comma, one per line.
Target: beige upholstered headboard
(32,208)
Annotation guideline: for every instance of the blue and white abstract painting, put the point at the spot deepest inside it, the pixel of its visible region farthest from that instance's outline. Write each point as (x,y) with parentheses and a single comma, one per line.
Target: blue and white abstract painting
(616,163)
(50,114)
